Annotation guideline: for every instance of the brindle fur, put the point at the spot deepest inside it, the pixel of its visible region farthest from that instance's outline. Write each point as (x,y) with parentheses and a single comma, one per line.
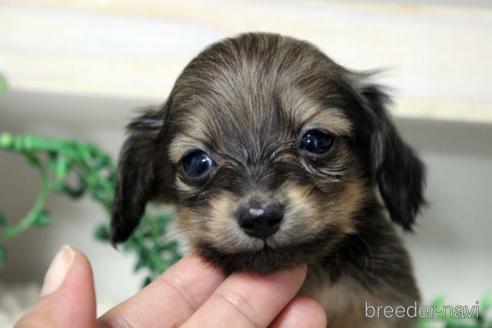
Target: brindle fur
(246,101)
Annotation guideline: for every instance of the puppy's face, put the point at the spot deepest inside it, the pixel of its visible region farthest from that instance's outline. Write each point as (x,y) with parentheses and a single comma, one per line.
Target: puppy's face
(270,152)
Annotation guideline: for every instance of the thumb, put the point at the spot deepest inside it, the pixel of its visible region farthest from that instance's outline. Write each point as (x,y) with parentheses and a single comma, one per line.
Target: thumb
(67,297)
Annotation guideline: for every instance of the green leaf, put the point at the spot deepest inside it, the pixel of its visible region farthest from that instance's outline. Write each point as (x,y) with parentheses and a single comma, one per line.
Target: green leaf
(102,233)
(486,302)
(74,192)
(6,140)
(4,86)
(42,220)
(62,167)
(3,254)
(147,281)
(3,219)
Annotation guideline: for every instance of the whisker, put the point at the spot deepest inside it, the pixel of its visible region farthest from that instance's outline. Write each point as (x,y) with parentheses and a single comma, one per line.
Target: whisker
(167,237)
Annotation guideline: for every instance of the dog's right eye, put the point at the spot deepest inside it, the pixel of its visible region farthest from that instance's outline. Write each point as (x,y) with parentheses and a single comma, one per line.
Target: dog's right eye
(197,163)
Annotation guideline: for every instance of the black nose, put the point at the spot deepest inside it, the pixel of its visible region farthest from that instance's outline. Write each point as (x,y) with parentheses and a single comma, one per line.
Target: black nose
(260,219)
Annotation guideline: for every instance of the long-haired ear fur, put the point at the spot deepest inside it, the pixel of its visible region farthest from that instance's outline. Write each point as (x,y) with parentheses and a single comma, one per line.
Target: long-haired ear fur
(135,182)
(398,171)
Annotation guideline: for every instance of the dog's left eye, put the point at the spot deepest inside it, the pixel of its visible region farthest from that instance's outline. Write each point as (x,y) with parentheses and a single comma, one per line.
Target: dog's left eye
(317,141)
(197,164)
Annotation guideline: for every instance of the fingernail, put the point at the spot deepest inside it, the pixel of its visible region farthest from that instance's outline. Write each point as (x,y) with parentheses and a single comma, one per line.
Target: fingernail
(58,269)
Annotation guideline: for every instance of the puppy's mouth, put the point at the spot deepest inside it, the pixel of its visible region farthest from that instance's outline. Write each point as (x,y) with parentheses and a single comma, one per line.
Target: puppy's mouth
(270,259)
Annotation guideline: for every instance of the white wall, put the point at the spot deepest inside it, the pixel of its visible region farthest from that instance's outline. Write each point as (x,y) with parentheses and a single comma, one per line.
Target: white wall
(438,55)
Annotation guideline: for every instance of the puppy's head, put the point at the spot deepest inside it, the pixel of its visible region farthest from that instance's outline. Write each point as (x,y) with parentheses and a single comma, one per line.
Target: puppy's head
(269,150)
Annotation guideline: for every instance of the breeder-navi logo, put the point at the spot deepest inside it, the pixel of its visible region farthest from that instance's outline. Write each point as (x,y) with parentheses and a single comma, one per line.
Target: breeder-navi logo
(422,311)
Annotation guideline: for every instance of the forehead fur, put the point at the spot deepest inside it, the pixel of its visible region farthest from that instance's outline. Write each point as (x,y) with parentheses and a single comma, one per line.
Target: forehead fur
(254,90)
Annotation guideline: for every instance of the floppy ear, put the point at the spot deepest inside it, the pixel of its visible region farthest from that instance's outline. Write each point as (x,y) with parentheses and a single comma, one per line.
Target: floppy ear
(398,171)
(136,183)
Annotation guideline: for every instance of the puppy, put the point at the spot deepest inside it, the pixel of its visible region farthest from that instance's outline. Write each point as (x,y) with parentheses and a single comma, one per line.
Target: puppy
(273,156)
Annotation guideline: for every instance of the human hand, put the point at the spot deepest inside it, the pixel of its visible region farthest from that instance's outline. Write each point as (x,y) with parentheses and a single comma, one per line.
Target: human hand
(191,293)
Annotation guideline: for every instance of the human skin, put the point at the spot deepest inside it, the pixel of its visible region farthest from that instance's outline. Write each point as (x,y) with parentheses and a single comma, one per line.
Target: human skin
(192,293)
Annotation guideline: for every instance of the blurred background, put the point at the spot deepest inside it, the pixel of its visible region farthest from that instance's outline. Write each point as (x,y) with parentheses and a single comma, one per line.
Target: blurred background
(80,70)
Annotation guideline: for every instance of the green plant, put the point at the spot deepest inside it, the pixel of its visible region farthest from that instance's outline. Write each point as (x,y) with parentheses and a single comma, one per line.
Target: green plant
(75,169)
(478,317)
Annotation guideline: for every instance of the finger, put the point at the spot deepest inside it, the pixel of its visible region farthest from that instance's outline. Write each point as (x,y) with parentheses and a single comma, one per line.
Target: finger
(302,312)
(170,299)
(67,293)
(249,300)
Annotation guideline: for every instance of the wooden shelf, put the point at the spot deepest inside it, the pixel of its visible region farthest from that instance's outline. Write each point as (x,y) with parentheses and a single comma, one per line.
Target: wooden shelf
(439,56)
